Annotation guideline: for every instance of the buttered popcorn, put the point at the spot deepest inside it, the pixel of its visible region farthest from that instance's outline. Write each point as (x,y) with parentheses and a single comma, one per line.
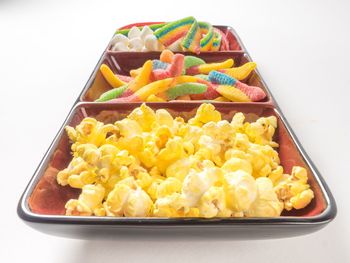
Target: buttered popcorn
(150,164)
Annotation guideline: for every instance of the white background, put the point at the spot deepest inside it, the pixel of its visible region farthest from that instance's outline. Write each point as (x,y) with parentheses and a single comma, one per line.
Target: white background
(48,50)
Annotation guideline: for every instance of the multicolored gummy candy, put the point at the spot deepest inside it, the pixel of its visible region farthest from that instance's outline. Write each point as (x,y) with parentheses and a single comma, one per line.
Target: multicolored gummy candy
(176,76)
(191,41)
(171,32)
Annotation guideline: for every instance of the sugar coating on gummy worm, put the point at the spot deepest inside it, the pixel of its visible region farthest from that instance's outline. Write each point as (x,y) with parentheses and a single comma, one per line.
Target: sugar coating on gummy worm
(221,78)
(185,89)
(112,94)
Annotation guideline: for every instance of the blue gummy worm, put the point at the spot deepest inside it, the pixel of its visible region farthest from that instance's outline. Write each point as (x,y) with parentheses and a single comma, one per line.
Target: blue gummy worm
(221,78)
(157,64)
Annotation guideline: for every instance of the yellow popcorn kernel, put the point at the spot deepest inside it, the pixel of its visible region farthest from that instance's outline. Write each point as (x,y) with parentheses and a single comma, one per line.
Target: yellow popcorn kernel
(77,174)
(169,186)
(212,203)
(72,133)
(144,180)
(238,121)
(234,153)
(144,116)
(172,206)
(196,183)
(266,203)
(153,188)
(84,178)
(128,128)
(205,113)
(189,148)
(302,199)
(139,204)
(262,131)
(62,177)
(263,159)
(192,212)
(299,173)
(99,210)
(241,142)
(221,130)
(163,133)
(293,190)
(241,190)
(129,181)
(89,199)
(209,149)
(155,173)
(108,149)
(92,195)
(89,131)
(148,158)
(123,158)
(173,150)
(116,199)
(180,168)
(124,172)
(164,118)
(235,164)
(89,152)
(276,174)
(76,208)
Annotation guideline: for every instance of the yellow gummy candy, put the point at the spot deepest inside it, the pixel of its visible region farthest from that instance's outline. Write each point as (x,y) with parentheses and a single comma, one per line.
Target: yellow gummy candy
(154,98)
(232,93)
(241,72)
(160,86)
(154,88)
(206,68)
(112,79)
(135,72)
(143,78)
(222,99)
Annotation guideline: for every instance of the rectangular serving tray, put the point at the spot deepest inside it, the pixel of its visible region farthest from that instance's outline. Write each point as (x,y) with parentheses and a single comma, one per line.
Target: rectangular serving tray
(312,218)
(44,185)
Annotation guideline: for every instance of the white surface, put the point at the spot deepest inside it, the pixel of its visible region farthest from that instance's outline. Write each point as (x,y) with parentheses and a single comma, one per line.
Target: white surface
(48,50)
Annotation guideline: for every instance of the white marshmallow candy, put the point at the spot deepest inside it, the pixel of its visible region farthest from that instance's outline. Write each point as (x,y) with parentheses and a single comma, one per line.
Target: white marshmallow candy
(145,32)
(134,32)
(120,46)
(120,38)
(136,44)
(152,43)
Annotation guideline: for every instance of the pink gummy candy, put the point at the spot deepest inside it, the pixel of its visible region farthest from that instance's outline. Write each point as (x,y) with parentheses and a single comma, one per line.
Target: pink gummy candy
(173,70)
(125,78)
(253,92)
(131,98)
(210,94)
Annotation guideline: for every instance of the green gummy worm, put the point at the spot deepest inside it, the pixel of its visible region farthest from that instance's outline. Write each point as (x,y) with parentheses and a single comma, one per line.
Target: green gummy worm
(191,61)
(112,94)
(185,89)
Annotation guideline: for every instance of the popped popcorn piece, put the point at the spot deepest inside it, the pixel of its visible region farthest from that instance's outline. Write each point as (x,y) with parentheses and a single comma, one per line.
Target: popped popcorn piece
(241,190)
(213,203)
(266,203)
(205,114)
(88,203)
(293,190)
(196,183)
